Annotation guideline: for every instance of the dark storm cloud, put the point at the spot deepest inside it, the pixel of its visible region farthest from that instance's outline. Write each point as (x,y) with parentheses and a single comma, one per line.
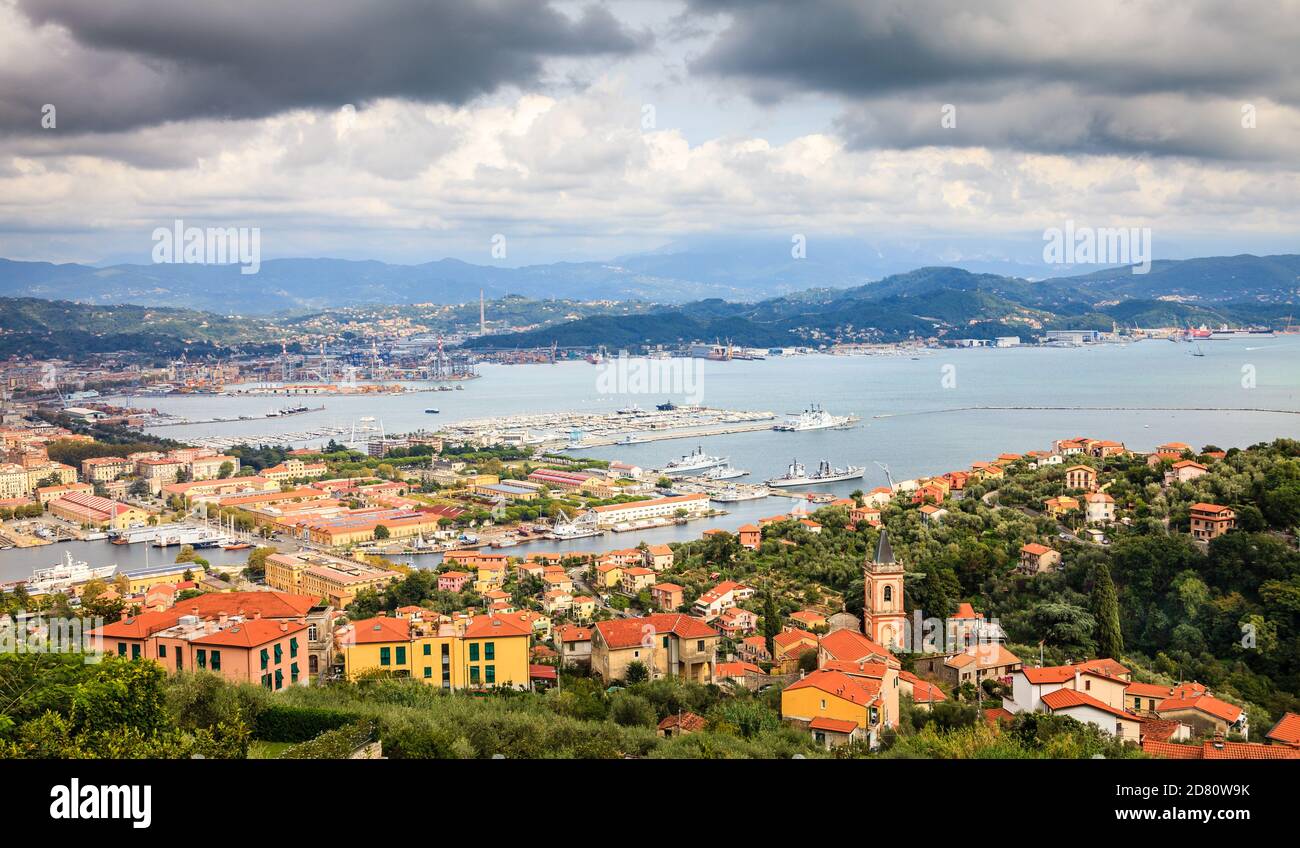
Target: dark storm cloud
(1067,76)
(134,63)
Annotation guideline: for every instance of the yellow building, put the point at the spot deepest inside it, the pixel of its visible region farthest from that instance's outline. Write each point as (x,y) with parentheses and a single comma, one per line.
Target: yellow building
(149,577)
(836,696)
(485,652)
(322,576)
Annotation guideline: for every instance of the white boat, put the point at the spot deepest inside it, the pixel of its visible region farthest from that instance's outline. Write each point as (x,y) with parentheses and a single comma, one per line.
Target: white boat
(723,472)
(580,529)
(629,410)
(65,574)
(731,494)
(630,440)
(816,418)
(696,460)
(797,475)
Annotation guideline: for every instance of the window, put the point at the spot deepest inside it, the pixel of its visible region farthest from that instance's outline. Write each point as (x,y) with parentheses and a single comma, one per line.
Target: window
(312,633)
(293,646)
(135,652)
(266,680)
(266,659)
(699,646)
(428,649)
(473,651)
(385,656)
(823,703)
(889,594)
(490,673)
(473,674)
(162,651)
(665,643)
(874,716)
(216,660)
(179,658)
(201,657)
(121,649)
(279,679)
(401,655)
(428,670)
(279,653)
(293,673)
(489,650)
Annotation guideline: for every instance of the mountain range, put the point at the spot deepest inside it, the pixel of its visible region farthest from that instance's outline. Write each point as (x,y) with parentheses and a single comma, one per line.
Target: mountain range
(744,271)
(956,303)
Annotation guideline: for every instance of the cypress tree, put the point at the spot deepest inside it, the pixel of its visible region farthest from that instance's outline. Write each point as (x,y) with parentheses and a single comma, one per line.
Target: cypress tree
(1105,608)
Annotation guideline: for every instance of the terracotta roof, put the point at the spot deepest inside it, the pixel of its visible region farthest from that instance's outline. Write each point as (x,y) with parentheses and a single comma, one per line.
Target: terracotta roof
(269,604)
(1064,699)
(834,725)
(487,626)
(689,722)
(1211,750)
(1106,666)
(853,646)
(570,633)
(627,632)
(1035,549)
(1159,730)
(542,672)
(993,655)
(998,715)
(1287,730)
(923,691)
(1205,703)
(736,669)
(379,629)
(1148,690)
(856,690)
(789,638)
(1209,507)
(250,634)
(140,626)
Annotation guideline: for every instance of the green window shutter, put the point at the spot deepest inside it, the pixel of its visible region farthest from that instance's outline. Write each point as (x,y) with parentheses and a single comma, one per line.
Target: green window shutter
(201,657)
(491,673)
(216,660)
(279,653)
(266,659)
(428,649)
(401,655)
(473,674)
(489,650)
(473,651)
(266,680)
(121,649)
(162,651)
(385,656)
(279,679)
(135,652)
(293,647)
(428,671)
(293,673)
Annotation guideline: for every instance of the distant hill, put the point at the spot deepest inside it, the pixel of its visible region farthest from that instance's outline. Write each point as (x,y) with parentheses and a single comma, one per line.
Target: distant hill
(742,272)
(954,303)
(62,329)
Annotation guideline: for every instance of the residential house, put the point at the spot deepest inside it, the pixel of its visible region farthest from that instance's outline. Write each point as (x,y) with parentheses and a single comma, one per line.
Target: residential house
(574,644)
(1036,558)
(1209,521)
(721,597)
(834,707)
(667,596)
(1081,477)
(666,644)
(1100,508)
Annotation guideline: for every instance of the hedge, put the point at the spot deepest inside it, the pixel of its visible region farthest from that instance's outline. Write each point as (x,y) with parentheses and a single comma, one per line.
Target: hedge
(284,723)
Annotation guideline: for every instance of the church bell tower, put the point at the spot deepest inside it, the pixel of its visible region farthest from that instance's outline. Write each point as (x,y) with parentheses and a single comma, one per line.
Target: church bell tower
(883,618)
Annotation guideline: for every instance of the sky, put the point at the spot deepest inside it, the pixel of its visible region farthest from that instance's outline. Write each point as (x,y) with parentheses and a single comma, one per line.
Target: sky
(411,130)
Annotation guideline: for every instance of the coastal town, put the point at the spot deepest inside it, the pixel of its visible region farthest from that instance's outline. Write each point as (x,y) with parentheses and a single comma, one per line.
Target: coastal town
(825,616)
